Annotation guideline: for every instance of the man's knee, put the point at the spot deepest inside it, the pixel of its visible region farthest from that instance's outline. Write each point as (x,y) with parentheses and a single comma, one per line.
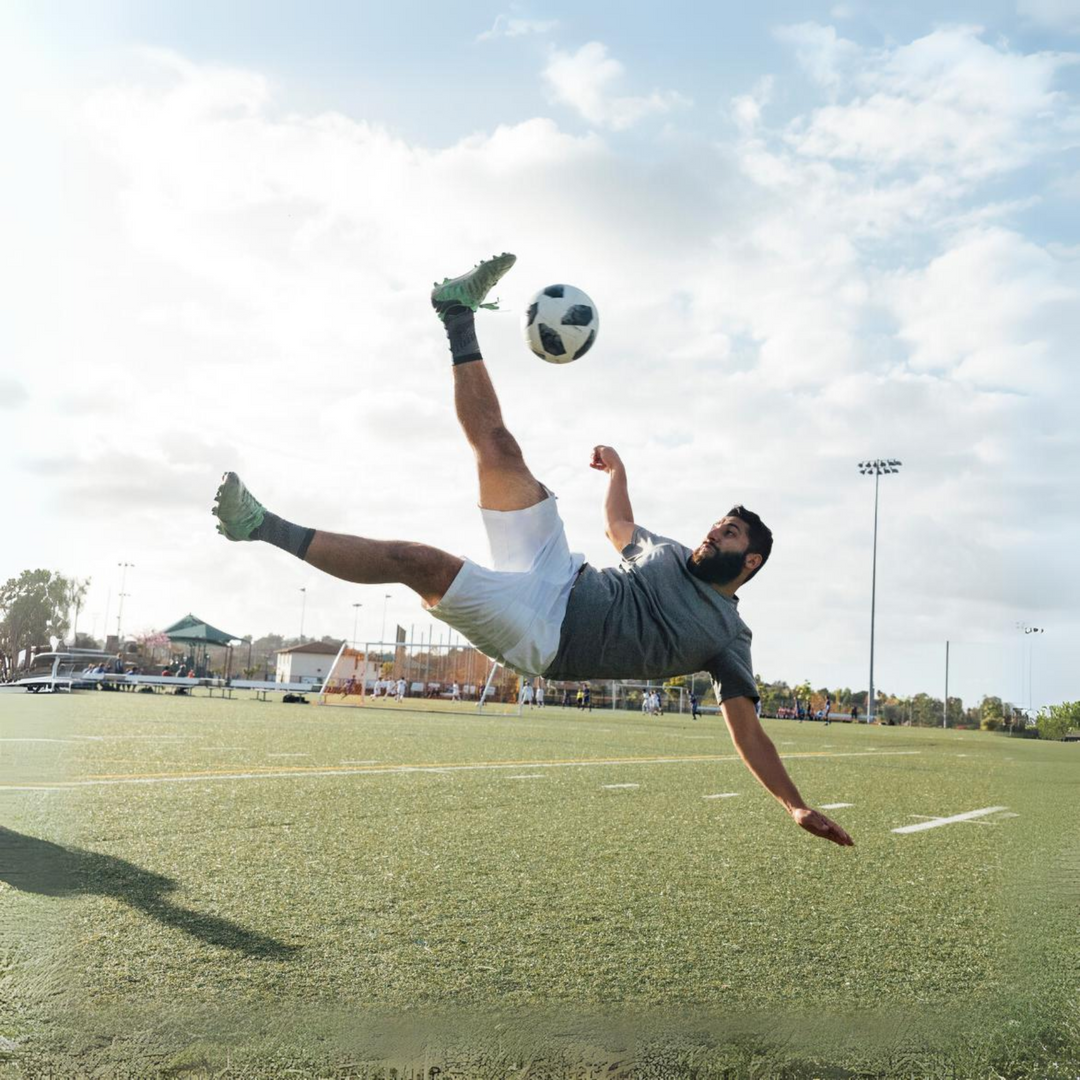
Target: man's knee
(498,449)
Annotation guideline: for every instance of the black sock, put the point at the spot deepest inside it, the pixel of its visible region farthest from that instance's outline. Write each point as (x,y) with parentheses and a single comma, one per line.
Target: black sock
(284,534)
(461,331)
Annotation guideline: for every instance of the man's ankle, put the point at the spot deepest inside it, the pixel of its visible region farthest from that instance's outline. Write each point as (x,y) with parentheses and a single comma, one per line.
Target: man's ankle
(461,330)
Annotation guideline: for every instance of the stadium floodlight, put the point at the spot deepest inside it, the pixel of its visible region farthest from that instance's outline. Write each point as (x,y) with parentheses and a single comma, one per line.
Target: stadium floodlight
(876,468)
(124,567)
(303,609)
(1026,629)
(356,615)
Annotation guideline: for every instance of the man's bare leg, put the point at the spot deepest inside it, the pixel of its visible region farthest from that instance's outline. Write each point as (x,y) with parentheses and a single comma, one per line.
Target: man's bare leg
(505,480)
(426,570)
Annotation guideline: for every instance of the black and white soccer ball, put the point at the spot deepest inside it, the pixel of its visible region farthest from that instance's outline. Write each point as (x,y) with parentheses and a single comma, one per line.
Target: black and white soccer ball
(560,324)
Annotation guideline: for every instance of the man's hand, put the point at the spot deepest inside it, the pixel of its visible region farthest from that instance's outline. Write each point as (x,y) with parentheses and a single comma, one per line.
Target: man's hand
(817,823)
(605,458)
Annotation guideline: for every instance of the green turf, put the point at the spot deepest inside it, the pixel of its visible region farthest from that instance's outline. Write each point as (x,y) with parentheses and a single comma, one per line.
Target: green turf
(214,924)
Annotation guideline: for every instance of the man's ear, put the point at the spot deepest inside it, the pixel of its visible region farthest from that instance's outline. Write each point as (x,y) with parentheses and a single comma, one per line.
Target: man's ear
(752,561)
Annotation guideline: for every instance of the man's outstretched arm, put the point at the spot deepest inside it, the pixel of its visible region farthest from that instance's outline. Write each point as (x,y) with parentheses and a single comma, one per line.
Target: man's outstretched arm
(761,758)
(618,514)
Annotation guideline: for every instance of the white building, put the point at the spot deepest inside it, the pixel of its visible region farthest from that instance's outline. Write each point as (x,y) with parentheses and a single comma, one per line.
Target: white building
(309,663)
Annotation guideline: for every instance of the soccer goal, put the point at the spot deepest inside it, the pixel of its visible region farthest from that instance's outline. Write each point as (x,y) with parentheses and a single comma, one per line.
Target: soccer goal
(634,696)
(420,676)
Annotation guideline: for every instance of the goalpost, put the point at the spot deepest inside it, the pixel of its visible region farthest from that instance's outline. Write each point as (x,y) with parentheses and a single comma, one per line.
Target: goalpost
(630,694)
(420,676)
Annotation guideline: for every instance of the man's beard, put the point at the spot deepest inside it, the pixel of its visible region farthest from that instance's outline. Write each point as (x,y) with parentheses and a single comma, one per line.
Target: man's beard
(715,567)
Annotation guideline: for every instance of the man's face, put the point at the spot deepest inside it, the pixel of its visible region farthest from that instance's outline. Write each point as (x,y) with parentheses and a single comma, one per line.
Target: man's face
(719,558)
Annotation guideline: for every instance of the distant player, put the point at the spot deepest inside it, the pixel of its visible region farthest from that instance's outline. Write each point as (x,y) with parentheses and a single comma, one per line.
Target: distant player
(455,692)
(539,695)
(693,705)
(666,610)
(401,688)
(526,697)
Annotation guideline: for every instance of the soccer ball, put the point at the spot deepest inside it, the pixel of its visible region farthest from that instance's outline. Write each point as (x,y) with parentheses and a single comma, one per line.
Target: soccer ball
(560,324)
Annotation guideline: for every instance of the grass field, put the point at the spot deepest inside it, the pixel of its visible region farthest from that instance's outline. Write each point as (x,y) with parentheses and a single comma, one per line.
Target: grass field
(202,887)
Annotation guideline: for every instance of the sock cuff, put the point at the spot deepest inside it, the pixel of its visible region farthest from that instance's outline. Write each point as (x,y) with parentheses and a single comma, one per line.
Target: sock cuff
(295,539)
(461,330)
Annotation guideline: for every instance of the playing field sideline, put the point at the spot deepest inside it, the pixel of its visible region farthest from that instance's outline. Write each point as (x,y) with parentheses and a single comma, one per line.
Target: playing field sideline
(167,858)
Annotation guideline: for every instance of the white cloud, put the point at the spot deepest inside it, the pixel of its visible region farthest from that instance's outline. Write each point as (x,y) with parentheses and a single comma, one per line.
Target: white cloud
(984,310)
(1054,14)
(586,81)
(945,101)
(822,54)
(509,26)
(12,394)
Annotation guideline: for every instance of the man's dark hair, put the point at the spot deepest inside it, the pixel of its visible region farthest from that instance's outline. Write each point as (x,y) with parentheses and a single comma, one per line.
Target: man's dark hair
(760,542)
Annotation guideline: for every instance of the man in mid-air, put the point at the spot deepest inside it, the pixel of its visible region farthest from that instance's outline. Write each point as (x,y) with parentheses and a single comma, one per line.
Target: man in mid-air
(666,610)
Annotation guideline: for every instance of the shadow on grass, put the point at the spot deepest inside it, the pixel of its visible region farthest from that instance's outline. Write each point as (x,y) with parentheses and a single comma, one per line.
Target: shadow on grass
(40,866)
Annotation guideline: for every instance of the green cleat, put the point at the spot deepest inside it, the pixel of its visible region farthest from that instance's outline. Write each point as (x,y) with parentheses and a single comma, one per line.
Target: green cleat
(238,512)
(469,290)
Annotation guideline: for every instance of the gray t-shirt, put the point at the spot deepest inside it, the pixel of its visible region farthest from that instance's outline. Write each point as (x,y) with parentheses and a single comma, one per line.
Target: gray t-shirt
(650,618)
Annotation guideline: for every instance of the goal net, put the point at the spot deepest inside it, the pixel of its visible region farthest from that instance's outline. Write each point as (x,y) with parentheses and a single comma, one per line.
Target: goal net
(650,698)
(420,676)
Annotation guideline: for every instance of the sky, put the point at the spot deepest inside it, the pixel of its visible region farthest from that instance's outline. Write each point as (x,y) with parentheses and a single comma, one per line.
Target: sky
(815,233)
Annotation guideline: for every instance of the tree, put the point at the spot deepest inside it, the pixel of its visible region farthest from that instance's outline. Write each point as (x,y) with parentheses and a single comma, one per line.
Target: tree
(1056,721)
(34,607)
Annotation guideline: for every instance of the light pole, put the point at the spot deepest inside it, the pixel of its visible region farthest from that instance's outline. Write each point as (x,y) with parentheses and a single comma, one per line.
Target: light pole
(876,468)
(1030,640)
(303,609)
(356,616)
(945,714)
(382,633)
(124,567)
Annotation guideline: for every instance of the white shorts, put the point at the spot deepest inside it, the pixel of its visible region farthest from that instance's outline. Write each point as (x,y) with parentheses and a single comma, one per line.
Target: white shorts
(514,612)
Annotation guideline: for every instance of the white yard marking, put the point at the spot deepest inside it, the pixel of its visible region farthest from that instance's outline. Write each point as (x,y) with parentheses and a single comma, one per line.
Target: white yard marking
(288,755)
(117,738)
(300,772)
(40,740)
(722,795)
(933,823)
(835,805)
(611,787)
(528,776)
(373,761)
(220,747)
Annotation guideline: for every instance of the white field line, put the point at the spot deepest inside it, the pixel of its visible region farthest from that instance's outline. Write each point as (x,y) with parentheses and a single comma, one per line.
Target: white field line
(835,805)
(289,755)
(40,740)
(722,795)
(303,772)
(528,776)
(935,822)
(612,787)
(118,738)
